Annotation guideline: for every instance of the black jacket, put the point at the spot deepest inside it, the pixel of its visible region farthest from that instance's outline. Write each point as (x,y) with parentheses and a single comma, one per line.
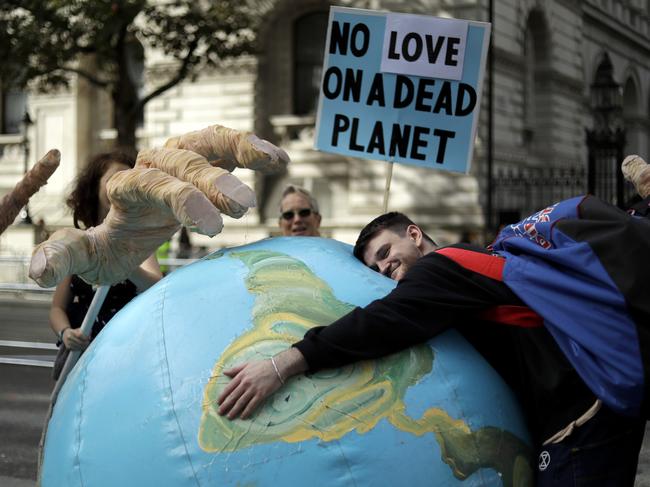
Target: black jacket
(437,294)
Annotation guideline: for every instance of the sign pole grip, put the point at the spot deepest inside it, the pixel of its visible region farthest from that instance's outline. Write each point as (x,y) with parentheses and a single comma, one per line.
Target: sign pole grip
(86,327)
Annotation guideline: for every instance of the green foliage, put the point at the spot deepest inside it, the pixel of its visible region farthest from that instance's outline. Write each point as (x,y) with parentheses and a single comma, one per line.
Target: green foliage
(43,42)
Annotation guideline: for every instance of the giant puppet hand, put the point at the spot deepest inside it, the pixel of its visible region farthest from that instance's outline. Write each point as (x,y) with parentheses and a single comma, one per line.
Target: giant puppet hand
(168,188)
(637,171)
(36,177)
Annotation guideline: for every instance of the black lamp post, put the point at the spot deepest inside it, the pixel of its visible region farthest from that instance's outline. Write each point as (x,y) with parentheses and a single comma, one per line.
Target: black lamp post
(606,141)
(489,207)
(25,217)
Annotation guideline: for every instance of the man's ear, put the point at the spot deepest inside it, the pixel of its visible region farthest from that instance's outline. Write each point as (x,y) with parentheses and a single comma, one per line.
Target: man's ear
(414,233)
(318,218)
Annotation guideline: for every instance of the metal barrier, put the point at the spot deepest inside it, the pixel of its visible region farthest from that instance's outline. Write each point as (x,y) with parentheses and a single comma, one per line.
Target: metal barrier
(12,287)
(521,190)
(32,360)
(22,284)
(14,269)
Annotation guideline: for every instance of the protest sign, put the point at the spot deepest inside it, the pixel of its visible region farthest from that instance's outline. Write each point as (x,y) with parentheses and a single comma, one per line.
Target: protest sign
(401,88)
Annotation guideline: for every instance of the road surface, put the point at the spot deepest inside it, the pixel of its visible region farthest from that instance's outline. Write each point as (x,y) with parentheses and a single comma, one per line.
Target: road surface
(25,391)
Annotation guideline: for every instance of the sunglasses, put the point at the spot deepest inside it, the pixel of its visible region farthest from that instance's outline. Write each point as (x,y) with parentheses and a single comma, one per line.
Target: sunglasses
(302,213)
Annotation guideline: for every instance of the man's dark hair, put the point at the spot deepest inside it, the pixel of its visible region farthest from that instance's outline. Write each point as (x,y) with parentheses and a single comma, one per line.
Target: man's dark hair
(394,221)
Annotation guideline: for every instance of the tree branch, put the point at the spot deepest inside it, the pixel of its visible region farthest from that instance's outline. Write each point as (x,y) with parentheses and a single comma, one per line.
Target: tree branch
(86,75)
(181,74)
(87,49)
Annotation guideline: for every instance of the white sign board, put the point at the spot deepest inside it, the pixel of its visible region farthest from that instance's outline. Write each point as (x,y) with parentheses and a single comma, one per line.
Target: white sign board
(424,46)
(401,88)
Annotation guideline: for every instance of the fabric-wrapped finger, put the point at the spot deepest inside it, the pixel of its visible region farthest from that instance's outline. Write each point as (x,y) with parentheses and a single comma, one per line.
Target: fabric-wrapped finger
(153,188)
(243,149)
(637,171)
(67,251)
(11,203)
(95,255)
(225,191)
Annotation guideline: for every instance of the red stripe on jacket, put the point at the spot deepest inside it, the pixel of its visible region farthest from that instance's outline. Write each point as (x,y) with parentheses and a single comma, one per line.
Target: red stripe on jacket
(491,266)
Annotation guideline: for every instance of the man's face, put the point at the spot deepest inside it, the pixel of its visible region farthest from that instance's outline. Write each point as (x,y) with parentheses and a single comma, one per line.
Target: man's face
(297,217)
(393,254)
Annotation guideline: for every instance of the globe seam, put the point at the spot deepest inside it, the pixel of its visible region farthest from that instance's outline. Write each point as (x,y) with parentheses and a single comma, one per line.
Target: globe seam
(168,380)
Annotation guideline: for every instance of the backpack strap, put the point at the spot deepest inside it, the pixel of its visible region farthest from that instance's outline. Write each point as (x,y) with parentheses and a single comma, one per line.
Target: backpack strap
(490,265)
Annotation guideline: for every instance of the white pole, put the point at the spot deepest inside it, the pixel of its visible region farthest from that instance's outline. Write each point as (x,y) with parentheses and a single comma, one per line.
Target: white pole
(389,177)
(86,328)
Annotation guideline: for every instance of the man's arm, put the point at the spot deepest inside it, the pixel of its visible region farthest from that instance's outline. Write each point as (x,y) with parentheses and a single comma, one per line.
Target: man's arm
(253,382)
(435,295)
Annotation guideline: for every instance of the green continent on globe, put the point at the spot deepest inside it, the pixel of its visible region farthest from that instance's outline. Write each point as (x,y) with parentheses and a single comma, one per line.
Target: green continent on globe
(289,300)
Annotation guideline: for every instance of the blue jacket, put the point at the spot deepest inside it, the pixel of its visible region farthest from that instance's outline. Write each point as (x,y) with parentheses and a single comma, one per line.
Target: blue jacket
(582,264)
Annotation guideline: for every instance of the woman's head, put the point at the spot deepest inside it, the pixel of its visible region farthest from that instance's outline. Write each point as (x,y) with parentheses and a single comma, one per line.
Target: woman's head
(88,199)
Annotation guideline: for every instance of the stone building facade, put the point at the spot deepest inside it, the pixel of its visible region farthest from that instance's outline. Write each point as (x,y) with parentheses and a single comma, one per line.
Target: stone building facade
(546,56)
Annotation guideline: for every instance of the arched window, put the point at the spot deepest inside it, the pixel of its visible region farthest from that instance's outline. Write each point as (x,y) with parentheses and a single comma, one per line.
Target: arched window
(14,106)
(529,84)
(536,102)
(309,45)
(633,120)
(135,70)
(606,97)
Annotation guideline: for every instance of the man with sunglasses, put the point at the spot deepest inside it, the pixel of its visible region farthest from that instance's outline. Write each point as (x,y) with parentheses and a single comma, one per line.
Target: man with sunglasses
(298,213)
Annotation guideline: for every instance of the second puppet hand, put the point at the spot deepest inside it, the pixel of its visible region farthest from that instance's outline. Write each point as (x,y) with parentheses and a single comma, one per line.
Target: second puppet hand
(253,382)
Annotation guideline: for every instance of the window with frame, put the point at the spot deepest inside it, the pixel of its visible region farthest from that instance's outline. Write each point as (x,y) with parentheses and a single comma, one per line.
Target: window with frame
(14,106)
(135,69)
(310,31)
(536,106)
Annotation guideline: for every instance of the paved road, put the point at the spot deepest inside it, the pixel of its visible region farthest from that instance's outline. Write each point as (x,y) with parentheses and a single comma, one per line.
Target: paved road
(24,401)
(25,390)
(25,319)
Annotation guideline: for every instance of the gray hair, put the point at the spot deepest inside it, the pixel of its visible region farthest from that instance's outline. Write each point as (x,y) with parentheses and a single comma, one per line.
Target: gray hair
(290,189)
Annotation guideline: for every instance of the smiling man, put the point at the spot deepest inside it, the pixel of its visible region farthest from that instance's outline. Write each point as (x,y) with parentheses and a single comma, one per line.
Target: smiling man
(386,251)
(299,216)
(462,287)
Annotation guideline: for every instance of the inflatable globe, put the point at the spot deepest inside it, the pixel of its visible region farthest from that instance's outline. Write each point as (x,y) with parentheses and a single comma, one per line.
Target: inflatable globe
(139,408)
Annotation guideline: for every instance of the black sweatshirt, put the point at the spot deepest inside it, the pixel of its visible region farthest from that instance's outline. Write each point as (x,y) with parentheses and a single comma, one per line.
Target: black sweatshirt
(437,294)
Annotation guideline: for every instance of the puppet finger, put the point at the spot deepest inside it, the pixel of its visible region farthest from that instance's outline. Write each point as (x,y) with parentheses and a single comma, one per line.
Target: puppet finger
(11,203)
(242,149)
(637,171)
(224,164)
(146,188)
(66,252)
(225,191)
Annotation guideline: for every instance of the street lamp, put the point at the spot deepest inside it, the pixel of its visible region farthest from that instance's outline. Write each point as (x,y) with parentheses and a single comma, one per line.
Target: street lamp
(489,207)
(25,217)
(606,141)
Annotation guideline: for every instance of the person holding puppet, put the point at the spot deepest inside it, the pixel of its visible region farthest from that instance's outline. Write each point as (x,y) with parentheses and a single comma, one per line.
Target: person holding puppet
(90,205)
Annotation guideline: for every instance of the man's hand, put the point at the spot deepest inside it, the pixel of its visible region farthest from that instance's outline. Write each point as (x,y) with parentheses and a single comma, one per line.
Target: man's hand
(253,382)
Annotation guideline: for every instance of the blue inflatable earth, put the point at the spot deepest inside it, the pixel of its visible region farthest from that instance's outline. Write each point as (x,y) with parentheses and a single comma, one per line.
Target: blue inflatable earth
(139,409)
